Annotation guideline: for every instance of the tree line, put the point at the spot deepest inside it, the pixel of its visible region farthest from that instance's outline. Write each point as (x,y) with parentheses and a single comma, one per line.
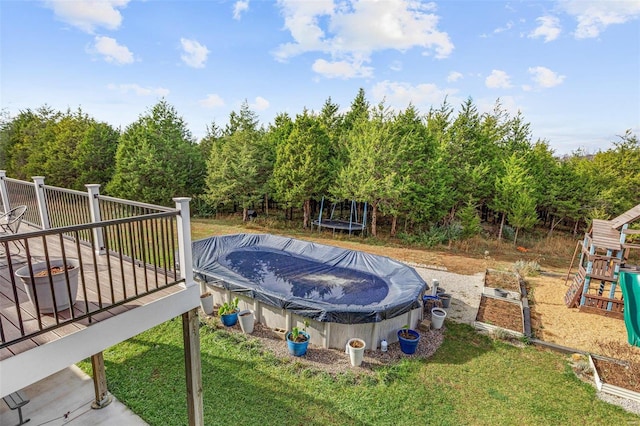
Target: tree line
(425,174)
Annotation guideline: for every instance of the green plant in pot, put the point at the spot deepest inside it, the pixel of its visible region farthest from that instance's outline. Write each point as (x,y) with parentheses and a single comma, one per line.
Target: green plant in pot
(408,339)
(298,340)
(228,312)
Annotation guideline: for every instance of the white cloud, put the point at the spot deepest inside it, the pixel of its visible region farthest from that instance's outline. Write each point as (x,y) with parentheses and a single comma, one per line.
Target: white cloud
(139,90)
(259,104)
(239,7)
(507,27)
(87,15)
(454,76)
(544,78)
(354,29)
(498,80)
(112,51)
(549,28)
(211,101)
(194,54)
(423,96)
(396,66)
(341,69)
(595,16)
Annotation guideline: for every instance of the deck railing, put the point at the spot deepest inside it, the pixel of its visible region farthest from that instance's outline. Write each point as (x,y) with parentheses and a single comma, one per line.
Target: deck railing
(142,262)
(124,251)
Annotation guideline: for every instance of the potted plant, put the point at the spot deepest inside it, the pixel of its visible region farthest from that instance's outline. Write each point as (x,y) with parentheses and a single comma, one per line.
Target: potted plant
(298,340)
(355,349)
(38,284)
(246,321)
(408,339)
(206,302)
(228,312)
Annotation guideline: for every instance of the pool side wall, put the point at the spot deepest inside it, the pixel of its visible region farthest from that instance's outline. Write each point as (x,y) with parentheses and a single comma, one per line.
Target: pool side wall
(323,334)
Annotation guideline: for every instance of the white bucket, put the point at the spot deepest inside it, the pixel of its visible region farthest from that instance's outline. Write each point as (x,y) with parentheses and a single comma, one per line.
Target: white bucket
(246,321)
(437,318)
(356,354)
(206,302)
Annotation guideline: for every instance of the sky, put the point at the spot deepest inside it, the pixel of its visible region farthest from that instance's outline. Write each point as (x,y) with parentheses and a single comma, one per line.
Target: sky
(571,67)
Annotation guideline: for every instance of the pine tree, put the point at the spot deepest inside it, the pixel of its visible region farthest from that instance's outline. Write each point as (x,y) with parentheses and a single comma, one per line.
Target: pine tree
(157,159)
(302,168)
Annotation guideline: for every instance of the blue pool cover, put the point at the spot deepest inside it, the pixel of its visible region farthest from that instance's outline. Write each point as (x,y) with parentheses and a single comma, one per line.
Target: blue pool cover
(321,282)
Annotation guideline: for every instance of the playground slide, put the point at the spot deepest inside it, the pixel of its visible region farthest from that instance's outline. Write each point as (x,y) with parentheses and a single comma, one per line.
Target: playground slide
(630,284)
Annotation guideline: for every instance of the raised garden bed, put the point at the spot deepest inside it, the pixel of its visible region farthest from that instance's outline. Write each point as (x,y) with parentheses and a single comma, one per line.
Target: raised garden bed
(504,280)
(500,313)
(616,377)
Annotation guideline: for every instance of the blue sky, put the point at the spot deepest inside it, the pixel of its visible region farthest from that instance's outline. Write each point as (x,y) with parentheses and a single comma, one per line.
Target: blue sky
(571,67)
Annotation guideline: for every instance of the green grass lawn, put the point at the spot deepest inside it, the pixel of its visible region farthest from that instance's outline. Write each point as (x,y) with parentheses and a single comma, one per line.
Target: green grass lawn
(470,380)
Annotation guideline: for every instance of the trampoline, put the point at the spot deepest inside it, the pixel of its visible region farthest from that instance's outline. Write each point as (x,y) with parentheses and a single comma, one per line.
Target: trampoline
(345,293)
(351,225)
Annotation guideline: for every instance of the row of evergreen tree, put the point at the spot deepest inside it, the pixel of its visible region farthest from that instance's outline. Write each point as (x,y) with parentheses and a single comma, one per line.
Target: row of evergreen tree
(425,170)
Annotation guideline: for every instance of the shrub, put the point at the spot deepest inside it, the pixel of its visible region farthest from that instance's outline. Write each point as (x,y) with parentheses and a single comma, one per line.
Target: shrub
(525,268)
(437,234)
(508,233)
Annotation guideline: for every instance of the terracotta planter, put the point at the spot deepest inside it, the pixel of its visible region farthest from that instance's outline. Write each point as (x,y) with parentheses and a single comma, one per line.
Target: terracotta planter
(40,286)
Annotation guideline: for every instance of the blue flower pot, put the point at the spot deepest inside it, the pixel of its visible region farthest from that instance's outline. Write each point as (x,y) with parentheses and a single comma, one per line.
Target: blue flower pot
(229,319)
(408,346)
(298,348)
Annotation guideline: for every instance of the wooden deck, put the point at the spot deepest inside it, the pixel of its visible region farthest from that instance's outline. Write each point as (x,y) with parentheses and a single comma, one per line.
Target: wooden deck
(605,236)
(107,286)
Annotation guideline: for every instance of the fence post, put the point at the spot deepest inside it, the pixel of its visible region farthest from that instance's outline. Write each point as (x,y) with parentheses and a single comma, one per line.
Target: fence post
(94,208)
(38,182)
(3,191)
(184,241)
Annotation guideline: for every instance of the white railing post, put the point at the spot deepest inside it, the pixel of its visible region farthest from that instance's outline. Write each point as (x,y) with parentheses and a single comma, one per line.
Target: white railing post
(38,182)
(184,241)
(3,191)
(94,209)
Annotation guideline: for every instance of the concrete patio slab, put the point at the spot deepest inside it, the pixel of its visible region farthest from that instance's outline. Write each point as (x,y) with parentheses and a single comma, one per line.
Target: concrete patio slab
(65,398)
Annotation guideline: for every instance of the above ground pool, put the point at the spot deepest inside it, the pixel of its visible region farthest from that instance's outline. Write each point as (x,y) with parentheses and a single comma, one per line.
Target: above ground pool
(319,282)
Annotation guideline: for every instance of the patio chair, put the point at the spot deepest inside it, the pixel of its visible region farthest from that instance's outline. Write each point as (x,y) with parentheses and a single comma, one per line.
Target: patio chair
(16,401)
(10,223)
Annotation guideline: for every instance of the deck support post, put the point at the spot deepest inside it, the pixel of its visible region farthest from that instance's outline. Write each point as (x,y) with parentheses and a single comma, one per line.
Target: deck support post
(103,398)
(193,367)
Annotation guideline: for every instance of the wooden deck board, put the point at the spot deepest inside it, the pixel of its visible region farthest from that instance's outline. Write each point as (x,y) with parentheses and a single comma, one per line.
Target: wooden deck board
(629,216)
(604,236)
(128,279)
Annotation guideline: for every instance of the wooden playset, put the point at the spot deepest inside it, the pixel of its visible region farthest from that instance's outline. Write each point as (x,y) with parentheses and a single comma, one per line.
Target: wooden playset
(603,252)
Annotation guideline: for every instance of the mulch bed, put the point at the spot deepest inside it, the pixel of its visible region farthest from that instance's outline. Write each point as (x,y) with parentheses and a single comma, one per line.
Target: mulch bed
(334,361)
(500,313)
(624,375)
